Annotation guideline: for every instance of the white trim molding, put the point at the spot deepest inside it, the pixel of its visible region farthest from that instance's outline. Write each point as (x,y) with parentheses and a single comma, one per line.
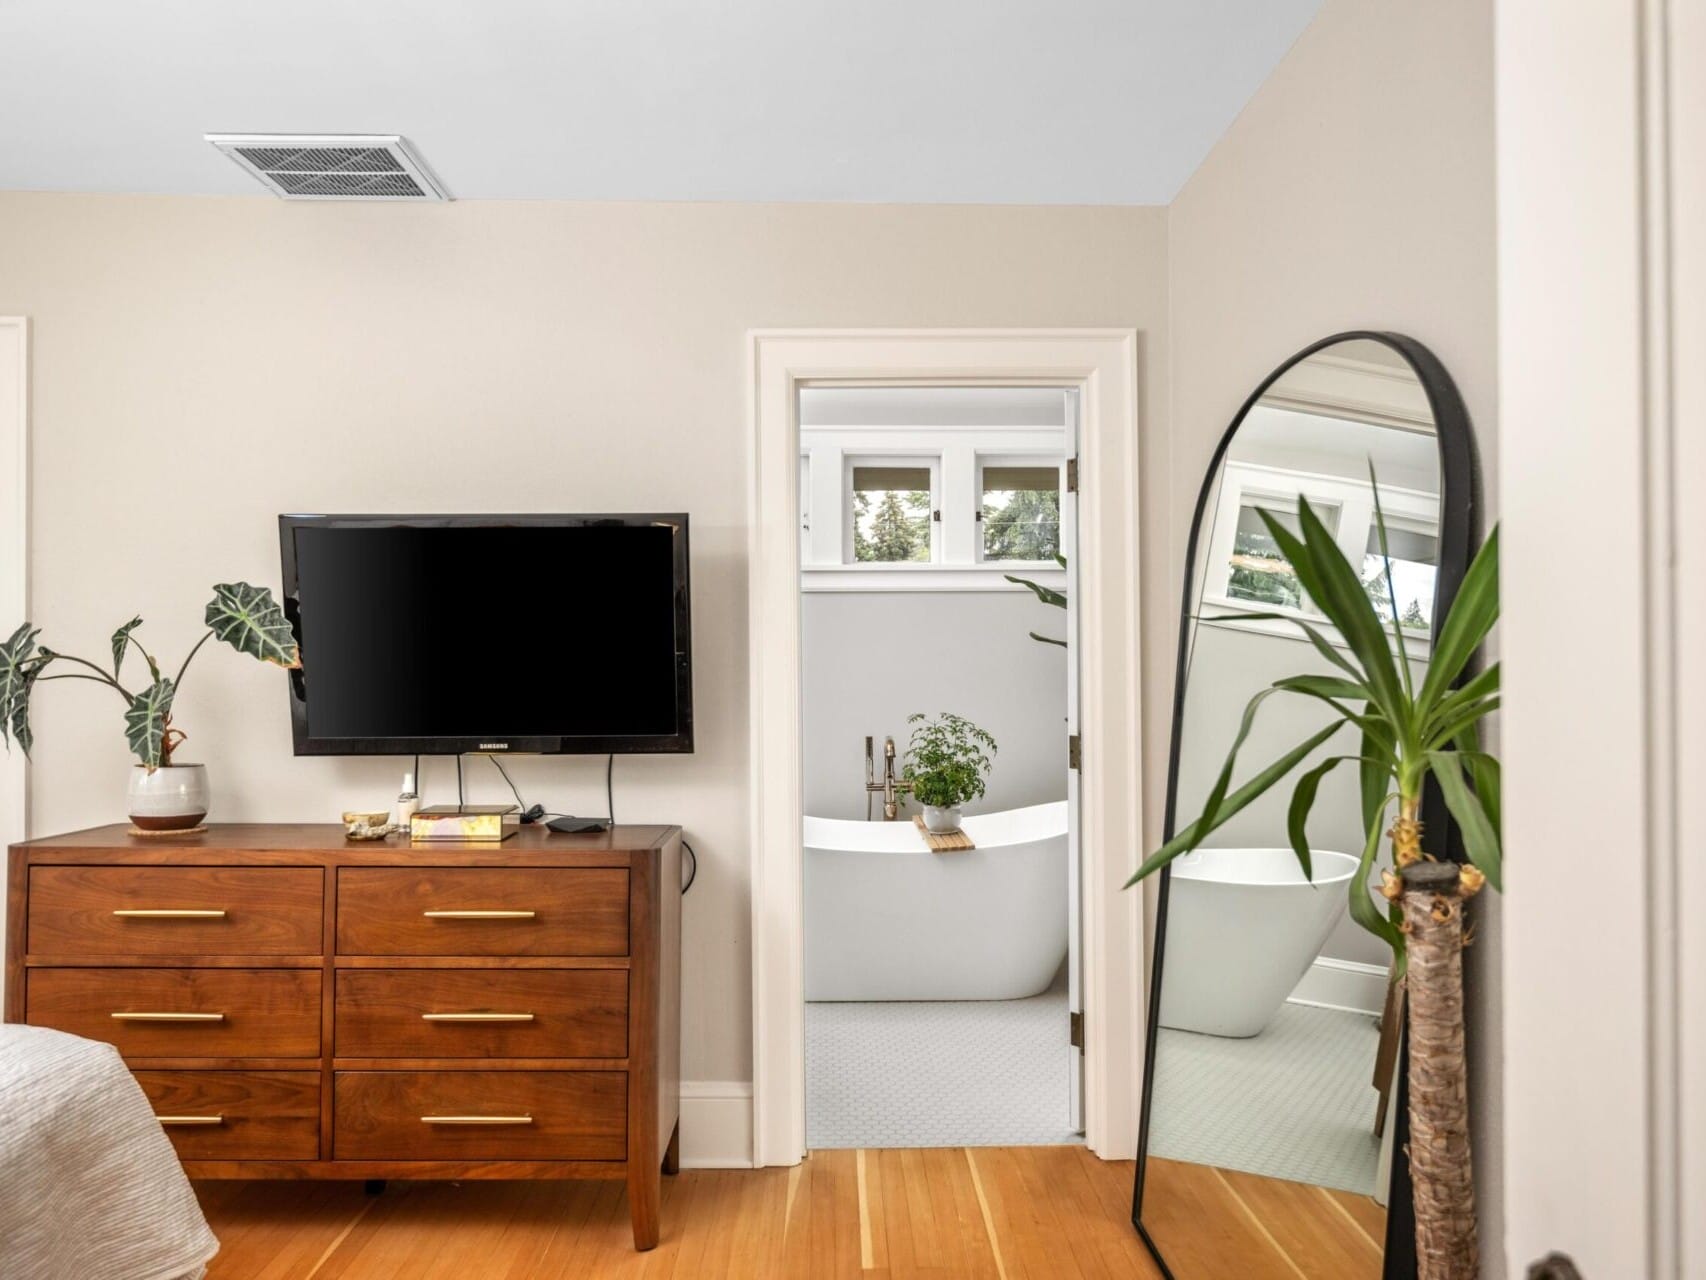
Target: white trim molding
(14,553)
(716,1124)
(1348,985)
(1101,365)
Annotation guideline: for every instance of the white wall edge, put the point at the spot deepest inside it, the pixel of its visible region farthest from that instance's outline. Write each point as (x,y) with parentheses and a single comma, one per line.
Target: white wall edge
(716,1124)
(1347,985)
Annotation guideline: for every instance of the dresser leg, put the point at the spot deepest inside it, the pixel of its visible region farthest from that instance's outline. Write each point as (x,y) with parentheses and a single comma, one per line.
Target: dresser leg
(644,1191)
(672,1153)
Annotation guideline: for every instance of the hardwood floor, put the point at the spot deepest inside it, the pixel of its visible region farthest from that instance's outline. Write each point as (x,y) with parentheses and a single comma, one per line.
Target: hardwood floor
(1002,1212)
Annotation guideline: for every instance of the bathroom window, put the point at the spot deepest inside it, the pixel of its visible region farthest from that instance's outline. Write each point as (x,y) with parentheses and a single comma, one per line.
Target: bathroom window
(902,507)
(1245,572)
(1019,511)
(892,512)
(1258,571)
(1413,550)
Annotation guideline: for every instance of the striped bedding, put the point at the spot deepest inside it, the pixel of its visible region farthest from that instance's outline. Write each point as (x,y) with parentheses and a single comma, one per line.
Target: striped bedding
(90,1189)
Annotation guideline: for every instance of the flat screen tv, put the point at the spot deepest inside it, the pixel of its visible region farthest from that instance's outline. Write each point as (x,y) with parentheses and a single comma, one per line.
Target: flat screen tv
(439,635)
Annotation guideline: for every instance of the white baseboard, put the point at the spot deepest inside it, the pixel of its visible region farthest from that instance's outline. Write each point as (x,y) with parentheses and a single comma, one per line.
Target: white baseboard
(1343,984)
(716,1124)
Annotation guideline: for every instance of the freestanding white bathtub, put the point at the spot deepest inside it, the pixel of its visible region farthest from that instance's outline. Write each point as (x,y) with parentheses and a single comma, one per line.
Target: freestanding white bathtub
(887,919)
(1243,927)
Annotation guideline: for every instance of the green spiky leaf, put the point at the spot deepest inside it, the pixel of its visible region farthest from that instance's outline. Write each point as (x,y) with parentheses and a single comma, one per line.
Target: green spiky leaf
(20,664)
(1048,595)
(122,639)
(1362,907)
(1480,836)
(250,621)
(145,722)
(1236,801)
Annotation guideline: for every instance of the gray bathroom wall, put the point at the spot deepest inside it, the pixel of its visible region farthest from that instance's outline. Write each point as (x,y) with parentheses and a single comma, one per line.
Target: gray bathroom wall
(872,658)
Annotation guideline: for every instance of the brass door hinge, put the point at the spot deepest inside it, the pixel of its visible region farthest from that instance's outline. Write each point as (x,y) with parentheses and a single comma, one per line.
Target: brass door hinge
(1074,753)
(1075,1029)
(1072,475)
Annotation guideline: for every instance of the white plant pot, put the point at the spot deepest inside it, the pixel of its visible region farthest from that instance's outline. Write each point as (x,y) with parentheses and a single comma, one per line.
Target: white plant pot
(941,819)
(172,797)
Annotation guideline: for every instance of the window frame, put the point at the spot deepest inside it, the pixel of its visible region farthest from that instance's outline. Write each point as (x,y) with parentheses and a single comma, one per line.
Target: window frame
(982,461)
(827,456)
(1241,481)
(851,462)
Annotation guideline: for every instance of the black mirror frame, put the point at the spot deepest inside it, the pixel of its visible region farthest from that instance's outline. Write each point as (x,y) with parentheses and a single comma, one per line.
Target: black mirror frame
(1460,538)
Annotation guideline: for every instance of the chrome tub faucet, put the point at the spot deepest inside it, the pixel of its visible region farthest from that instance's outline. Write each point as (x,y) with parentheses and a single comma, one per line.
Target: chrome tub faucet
(891,787)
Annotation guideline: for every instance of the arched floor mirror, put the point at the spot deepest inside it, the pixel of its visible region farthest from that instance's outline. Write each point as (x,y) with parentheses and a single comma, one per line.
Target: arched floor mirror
(1274,1110)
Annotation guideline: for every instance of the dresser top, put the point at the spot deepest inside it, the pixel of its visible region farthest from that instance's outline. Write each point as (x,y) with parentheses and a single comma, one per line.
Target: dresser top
(276,841)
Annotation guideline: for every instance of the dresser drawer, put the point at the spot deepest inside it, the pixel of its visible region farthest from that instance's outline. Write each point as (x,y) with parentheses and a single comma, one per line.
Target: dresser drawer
(482,911)
(183,1013)
(175,911)
(482,1013)
(480,1115)
(237,1115)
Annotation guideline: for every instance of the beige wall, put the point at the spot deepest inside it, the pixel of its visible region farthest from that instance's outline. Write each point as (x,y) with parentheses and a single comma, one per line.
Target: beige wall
(201,364)
(1354,191)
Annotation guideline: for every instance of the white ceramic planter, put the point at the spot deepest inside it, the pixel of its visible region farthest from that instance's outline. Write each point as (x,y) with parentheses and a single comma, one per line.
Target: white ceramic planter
(169,798)
(940,819)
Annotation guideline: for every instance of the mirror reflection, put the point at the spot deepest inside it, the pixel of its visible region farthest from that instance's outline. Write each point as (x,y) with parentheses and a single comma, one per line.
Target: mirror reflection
(1274,1062)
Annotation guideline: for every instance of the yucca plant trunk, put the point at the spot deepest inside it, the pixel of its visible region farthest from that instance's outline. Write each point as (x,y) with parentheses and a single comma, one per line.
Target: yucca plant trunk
(1439,1093)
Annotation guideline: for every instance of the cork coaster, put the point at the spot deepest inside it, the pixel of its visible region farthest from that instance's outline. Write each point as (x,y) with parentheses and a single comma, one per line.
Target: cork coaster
(947,842)
(164,835)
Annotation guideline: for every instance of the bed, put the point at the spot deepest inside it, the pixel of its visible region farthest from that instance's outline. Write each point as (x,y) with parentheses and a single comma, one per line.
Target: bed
(90,1188)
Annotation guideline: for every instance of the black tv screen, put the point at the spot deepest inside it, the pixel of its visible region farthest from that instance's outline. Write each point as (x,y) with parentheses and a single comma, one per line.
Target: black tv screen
(447,634)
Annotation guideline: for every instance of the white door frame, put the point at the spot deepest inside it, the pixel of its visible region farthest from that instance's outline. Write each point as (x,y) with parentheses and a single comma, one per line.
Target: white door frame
(14,552)
(1601,162)
(1102,365)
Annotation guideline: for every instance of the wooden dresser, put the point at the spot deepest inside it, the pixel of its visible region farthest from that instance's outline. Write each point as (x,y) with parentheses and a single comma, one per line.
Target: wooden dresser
(297,1005)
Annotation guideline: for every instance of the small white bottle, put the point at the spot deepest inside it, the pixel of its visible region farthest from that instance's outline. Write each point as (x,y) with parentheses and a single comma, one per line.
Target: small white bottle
(407,803)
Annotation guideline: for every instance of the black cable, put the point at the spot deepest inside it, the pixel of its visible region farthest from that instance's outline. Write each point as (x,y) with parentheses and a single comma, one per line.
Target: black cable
(513,788)
(609,790)
(693,871)
(459,781)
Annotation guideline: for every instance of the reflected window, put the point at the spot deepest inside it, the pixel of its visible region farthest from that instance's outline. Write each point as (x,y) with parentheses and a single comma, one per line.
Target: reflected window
(1259,571)
(1020,512)
(891,511)
(1414,554)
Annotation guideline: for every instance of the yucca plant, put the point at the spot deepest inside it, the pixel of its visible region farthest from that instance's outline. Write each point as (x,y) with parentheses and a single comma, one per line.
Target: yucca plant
(1409,735)
(1048,595)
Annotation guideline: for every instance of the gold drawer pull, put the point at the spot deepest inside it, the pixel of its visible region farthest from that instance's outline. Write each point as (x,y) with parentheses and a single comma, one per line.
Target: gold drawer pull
(171,913)
(476,1017)
(170,1017)
(479,915)
(476,1119)
(190,1119)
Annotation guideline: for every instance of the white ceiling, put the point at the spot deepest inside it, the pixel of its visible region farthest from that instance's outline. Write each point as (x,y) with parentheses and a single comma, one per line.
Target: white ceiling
(937,101)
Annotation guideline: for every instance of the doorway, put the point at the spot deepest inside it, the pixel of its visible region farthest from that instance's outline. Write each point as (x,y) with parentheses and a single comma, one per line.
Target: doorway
(937,529)
(1099,369)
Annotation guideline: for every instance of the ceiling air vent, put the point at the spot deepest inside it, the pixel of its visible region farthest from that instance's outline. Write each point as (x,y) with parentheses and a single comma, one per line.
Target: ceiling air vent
(332,166)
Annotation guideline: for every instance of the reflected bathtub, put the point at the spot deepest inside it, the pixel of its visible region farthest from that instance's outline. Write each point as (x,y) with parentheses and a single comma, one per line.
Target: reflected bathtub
(1243,927)
(886,919)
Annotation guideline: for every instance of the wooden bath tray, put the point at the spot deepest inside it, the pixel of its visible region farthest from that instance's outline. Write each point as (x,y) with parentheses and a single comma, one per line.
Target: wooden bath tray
(949,842)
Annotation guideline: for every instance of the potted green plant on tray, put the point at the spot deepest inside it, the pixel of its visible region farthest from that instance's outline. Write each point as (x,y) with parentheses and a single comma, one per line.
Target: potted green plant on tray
(1409,735)
(947,761)
(165,795)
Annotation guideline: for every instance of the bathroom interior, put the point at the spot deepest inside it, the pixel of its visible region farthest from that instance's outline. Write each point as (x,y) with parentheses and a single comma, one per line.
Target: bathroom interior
(1275,1046)
(941,984)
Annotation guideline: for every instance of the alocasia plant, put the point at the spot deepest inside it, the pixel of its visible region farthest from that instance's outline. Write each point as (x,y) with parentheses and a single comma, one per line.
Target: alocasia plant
(245,617)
